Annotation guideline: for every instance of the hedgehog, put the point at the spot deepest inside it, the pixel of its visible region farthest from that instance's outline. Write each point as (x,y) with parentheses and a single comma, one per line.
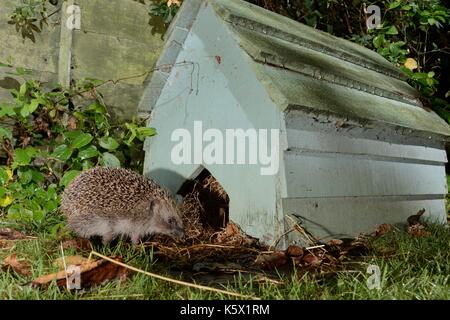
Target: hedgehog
(109,202)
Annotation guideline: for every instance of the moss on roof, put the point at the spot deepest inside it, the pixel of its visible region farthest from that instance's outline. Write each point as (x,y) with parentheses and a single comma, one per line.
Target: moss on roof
(303,67)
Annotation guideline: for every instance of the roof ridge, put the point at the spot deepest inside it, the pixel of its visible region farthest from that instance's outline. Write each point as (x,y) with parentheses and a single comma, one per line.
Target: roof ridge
(285,36)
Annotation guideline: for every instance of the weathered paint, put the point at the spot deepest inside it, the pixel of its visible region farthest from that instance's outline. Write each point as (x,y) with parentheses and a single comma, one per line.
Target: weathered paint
(179,105)
(357,148)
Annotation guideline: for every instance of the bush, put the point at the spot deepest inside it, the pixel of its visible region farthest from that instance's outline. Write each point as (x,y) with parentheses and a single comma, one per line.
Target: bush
(54,134)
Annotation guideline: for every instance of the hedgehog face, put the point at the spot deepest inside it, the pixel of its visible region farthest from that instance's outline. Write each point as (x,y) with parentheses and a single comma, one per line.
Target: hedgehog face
(165,219)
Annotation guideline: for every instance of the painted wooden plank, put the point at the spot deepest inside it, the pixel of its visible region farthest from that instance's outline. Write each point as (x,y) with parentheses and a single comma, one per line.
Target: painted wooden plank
(315,140)
(310,174)
(325,97)
(346,217)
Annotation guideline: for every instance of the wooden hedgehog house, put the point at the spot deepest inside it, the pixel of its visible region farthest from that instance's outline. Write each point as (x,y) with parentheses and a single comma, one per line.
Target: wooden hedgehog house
(356,147)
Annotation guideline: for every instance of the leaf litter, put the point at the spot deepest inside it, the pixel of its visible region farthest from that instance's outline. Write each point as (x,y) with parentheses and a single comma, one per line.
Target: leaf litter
(212,253)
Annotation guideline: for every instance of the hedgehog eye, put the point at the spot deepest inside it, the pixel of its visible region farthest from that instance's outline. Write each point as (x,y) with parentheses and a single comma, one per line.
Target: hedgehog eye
(172,221)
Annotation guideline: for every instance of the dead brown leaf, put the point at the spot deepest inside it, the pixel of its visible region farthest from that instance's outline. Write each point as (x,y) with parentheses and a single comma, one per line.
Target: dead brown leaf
(72,123)
(335,242)
(5,244)
(8,236)
(382,229)
(418,230)
(70,260)
(92,273)
(312,260)
(271,260)
(20,267)
(294,251)
(415,218)
(11,234)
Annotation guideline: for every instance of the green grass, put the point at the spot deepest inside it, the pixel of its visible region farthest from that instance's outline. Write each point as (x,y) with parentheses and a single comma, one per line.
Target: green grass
(411,268)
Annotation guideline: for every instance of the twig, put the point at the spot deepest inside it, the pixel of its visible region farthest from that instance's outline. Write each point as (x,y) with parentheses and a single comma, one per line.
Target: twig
(302,231)
(183,283)
(315,247)
(279,238)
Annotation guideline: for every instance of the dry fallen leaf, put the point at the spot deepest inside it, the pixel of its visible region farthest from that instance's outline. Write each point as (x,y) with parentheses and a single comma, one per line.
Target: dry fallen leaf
(70,260)
(312,260)
(271,260)
(382,229)
(335,242)
(18,266)
(232,229)
(92,273)
(6,244)
(294,251)
(174,2)
(72,123)
(8,236)
(418,230)
(11,234)
(415,218)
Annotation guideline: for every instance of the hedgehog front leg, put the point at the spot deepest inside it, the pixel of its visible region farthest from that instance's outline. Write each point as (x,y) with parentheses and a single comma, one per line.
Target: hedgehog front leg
(107,237)
(135,238)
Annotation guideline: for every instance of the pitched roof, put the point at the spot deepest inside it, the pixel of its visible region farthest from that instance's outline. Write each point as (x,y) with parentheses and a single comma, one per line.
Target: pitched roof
(306,68)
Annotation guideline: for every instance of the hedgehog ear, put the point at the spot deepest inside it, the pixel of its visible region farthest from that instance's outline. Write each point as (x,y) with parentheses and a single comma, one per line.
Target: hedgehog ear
(154,204)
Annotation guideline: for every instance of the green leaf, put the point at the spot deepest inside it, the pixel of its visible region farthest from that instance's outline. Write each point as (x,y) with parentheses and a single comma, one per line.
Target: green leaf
(88,152)
(68,177)
(5,133)
(3,176)
(82,140)
(29,108)
(62,152)
(392,30)
(50,205)
(18,212)
(143,132)
(7,110)
(108,143)
(432,21)
(38,215)
(21,157)
(23,89)
(25,176)
(97,107)
(37,176)
(22,71)
(110,160)
(87,165)
(2,191)
(378,41)
(394,4)
(71,135)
